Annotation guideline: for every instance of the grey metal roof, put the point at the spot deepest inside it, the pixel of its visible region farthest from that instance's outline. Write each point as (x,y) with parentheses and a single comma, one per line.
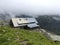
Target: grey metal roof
(32,25)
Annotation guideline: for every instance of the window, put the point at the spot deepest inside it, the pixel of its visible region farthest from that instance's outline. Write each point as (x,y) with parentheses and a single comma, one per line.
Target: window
(19,19)
(26,19)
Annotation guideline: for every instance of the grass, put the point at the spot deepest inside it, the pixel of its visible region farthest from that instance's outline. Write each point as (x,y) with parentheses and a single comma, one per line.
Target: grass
(17,36)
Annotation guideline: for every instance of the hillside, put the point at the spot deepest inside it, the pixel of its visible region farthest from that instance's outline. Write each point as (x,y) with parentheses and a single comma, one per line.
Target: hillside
(17,36)
(51,23)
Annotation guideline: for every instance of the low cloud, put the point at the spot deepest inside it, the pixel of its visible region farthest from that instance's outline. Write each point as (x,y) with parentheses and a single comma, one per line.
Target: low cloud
(30,7)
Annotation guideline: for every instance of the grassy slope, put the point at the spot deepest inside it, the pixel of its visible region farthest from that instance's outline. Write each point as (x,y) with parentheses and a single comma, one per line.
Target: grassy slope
(16,36)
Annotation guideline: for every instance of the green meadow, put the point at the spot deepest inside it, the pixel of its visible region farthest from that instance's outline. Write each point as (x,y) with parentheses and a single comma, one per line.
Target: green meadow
(18,36)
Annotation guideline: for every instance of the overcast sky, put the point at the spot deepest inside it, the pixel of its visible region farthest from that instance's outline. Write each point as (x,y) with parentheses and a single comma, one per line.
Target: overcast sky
(35,7)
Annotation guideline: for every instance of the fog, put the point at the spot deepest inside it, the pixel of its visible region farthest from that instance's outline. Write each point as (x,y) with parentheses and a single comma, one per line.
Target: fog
(30,7)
